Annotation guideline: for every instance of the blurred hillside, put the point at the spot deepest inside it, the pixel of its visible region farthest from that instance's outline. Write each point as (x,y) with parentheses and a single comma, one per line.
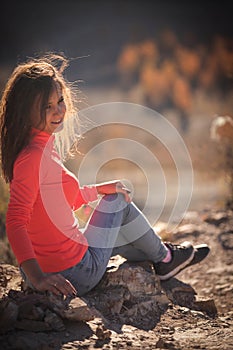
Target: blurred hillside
(168,74)
(93,33)
(173,57)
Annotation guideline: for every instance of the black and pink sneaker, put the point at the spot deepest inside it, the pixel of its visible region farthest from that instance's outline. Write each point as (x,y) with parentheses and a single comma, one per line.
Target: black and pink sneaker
(182,255)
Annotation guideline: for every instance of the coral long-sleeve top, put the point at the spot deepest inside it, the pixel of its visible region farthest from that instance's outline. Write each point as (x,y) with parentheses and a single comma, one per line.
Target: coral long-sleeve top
(40,220)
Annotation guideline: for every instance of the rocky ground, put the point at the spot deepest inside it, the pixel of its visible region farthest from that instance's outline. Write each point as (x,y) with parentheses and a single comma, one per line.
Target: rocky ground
(130,308)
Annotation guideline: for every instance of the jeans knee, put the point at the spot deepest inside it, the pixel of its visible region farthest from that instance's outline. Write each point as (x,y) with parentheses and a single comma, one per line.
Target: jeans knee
(113,196)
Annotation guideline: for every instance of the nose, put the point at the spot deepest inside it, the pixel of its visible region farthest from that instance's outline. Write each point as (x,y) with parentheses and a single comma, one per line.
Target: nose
(59,110)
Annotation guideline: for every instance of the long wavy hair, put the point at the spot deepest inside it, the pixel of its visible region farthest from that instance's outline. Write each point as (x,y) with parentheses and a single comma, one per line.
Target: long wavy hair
(30,80)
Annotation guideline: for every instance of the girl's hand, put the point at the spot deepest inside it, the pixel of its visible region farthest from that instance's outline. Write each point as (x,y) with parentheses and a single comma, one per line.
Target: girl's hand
(112,187)
(56,284)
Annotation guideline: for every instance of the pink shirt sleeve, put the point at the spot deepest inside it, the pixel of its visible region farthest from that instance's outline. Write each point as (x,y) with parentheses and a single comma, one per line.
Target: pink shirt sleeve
(89,193)
(23,192)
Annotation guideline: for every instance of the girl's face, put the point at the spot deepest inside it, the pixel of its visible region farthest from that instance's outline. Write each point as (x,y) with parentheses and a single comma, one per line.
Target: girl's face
(55,112)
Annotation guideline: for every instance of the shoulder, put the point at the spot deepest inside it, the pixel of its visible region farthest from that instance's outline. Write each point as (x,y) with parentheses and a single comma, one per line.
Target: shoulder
(29,157)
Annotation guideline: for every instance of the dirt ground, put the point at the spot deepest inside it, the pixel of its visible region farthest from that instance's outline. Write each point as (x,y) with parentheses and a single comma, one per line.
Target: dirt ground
(179,326)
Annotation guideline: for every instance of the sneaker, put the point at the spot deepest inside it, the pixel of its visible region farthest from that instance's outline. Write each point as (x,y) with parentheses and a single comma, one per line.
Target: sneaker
(200,253)
(182,255)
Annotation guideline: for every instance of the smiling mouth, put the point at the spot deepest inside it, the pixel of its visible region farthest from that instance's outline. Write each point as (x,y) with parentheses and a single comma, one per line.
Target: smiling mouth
(57,122)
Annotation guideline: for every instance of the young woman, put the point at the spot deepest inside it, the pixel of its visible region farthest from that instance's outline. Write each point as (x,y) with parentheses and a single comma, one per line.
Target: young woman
(53,254)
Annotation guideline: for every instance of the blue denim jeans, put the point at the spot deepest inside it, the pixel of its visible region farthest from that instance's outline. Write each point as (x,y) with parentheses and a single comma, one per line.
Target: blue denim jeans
(116,227)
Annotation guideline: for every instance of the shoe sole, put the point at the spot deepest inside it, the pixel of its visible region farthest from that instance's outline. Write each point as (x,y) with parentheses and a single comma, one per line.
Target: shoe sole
(177,269)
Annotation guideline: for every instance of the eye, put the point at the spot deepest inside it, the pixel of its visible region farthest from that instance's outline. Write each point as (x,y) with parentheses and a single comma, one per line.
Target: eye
(48,107)
(61,99)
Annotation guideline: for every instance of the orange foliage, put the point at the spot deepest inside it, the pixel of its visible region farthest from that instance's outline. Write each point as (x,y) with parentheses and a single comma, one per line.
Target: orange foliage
(224,53)
(168,71)
(148,50)
(207,76)
(188,61)
(182,96)
(129,59)
(154,83)
(157,83)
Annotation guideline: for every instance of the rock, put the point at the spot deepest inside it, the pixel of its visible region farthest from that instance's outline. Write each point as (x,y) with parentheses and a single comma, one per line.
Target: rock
(54,321)
(187,230)
(131,292)
(198,314)
(109,301)
(9,278)
(102,333)
(144,309)
(165,344)
(24,340)
(222,129)
(26,300)
(8,315)
(78,311)
(30,311)
(226,239)
(3,280)
(137,322)
(33,326)
(208,306)
(137,279)
(39,312)
(216,218)
(178,292)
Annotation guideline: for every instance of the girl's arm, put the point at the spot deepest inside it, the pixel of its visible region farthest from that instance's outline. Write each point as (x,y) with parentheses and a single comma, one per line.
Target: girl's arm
(112,187)
(90,193)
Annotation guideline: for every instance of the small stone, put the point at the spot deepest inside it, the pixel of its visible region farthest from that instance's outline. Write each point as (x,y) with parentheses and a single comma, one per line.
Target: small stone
(197,313)
(216,218)
(208,306)
(102,333)
(187,230)
(160,344)
(184,309)
(78,311)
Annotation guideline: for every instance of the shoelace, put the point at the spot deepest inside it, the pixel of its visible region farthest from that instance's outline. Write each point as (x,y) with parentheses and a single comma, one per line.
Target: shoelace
(175,246)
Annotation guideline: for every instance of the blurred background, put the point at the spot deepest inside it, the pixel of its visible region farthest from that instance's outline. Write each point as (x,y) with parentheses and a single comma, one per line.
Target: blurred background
(175,57)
